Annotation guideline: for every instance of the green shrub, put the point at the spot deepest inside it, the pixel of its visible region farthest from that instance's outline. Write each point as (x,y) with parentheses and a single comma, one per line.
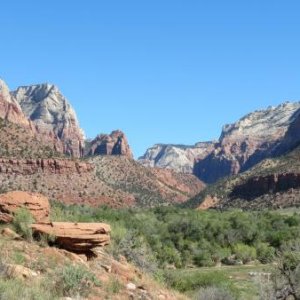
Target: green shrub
(195,279)
(214,293)
(73,281)
(14,289)
(114,286)
(22,223)
(265,253)
(244,252)
(171,235)
(204,259)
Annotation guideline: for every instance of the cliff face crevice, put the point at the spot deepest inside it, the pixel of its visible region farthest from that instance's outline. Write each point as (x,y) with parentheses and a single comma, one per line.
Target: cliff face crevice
(270,184)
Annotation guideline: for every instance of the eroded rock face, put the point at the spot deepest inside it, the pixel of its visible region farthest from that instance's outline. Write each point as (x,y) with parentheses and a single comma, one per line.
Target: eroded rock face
(256,136)
(261,185)
(37,204)
(51,166)
(179,158)
(110,144)
(52,114)
(10,109)
(76,237)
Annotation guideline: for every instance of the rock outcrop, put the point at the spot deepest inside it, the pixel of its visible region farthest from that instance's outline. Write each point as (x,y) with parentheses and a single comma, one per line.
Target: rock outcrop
(10,109)
(269,184)
(110,144)
(76,237)
(179,158)
(51,166)
(37,204)
(52,115)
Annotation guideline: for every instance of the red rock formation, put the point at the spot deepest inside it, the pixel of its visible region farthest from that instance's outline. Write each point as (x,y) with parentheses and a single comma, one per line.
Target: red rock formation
(76,237)
(208,202)
(260,185)
(114,144)
(10,110)
(53,166)
(37,204)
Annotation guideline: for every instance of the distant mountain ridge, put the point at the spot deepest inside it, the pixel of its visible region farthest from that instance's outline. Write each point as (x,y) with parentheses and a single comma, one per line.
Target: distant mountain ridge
(256,136)
(43,148)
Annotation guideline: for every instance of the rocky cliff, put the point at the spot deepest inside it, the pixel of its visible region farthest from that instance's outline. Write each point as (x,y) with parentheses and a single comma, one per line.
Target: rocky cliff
(256,136)
(10,109)
(52,166)
(180,158)
(109,144)
(53,115)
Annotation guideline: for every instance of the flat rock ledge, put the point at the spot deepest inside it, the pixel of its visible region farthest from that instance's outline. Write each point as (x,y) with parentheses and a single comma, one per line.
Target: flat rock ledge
(75,237)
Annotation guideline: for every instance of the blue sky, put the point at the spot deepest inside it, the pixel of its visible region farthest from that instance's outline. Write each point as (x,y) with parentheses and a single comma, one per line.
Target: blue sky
(162,70)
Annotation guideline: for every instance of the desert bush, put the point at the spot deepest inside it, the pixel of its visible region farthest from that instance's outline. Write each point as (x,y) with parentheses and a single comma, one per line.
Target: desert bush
(287,276)
(204,259)
(74,281)
(244,252)
(196,279)
(114,286)
(14,289)
(214,293)
(265,253)
(22,222)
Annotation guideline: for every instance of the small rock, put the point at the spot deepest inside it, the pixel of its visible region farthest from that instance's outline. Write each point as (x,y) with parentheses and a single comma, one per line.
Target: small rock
(106,268)
(9,233)
(18,271)
(131,286)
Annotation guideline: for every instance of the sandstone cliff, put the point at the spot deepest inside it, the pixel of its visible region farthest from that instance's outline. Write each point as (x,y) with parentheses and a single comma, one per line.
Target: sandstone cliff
(53,115)
(10,109)
(113,144)
(180,158)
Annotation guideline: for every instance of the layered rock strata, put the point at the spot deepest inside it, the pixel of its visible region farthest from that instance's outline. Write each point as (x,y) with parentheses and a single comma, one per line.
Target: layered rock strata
(37,204)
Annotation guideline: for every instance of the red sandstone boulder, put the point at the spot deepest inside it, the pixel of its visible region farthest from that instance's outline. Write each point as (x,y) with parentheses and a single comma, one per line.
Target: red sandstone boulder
(76,237)
(37,204)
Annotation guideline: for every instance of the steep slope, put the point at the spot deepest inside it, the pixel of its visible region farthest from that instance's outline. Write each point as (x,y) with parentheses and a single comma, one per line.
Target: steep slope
(148,186)
(25,164)
(272,183)
(52,114)
(20,142)
(256,136)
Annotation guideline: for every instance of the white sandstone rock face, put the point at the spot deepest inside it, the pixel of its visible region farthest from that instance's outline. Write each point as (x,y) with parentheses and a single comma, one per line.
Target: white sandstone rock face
(4,92)
(270,123)
(50,111)
(176,157)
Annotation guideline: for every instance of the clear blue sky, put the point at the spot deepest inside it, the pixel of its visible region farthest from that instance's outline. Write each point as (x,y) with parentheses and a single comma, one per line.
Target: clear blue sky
(161,70)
